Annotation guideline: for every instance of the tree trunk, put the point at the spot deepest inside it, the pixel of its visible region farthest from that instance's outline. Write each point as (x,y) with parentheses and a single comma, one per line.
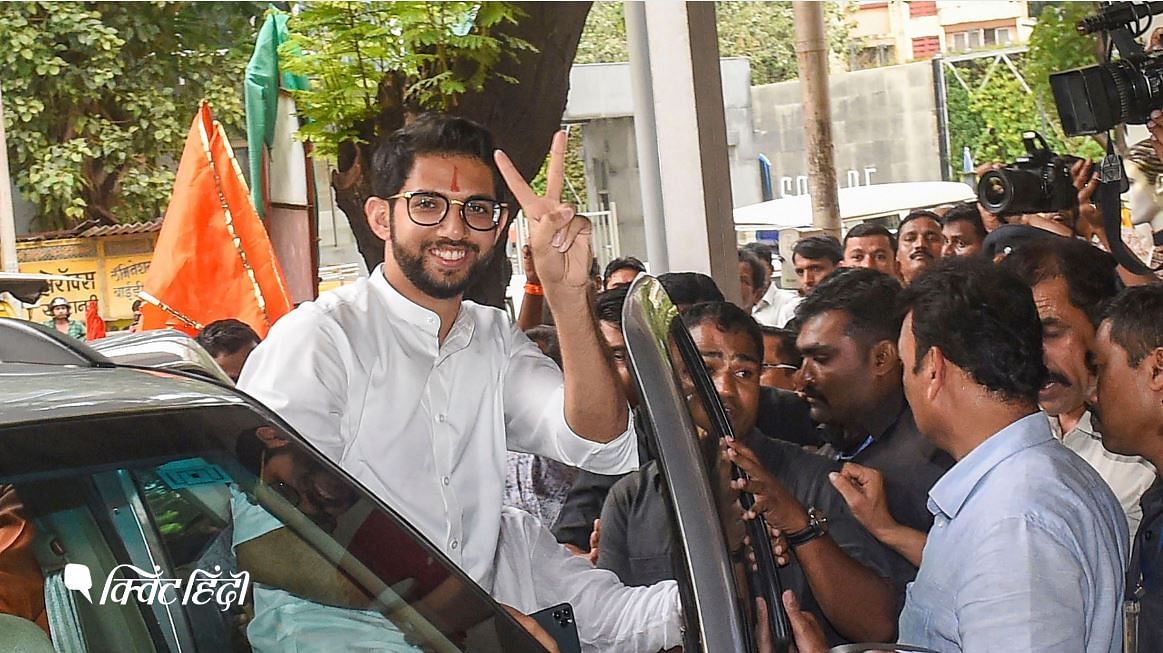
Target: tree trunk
(522,117)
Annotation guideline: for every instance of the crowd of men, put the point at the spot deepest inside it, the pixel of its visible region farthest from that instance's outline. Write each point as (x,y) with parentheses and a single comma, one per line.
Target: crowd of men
(952,430)
(953,374)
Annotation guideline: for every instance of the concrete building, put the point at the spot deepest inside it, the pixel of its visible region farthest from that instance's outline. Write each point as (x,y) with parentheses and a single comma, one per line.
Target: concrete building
(898,31)
(884,129)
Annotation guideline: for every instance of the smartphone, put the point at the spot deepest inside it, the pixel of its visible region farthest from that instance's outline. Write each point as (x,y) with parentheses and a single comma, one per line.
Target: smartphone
(558,621)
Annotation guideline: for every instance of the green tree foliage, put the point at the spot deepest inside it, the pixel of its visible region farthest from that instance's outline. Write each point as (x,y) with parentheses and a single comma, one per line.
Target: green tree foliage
(99,97)
(764,32)
(990,117)
(363,58)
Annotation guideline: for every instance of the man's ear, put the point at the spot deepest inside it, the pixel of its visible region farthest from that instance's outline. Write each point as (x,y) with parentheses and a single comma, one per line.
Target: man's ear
(270,437)
(936,373)
(1155,361)
(377,211)
(885,357)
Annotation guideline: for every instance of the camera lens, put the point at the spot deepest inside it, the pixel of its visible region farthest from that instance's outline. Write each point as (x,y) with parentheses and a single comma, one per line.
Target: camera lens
(1011,190)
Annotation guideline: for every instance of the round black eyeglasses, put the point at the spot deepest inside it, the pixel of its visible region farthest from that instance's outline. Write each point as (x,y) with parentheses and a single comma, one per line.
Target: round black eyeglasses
(428,209)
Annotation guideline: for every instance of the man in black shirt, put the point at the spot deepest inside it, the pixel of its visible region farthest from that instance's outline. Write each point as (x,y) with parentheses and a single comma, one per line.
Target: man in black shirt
(852,379)
(839,573)
(1128,411)
(782,415)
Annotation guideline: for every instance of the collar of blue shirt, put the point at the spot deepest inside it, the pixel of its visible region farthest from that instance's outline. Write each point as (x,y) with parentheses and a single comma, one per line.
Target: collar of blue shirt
(951,492)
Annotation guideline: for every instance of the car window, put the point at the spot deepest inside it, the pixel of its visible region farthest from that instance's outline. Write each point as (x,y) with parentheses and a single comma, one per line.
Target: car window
(213,530)
(686,424)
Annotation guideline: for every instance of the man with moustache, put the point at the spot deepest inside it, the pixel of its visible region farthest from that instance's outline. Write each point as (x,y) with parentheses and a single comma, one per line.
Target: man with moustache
(417,393)
(1071,281)
(838,572)
(919,243)
(869,245)
(851,376)
(1028,547)
(1128,405)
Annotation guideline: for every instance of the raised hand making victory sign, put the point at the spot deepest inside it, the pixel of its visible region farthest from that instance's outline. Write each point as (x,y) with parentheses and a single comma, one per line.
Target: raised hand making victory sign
(560,239)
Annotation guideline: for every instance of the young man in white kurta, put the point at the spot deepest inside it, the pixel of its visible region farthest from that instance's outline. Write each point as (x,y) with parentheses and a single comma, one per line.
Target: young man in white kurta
(418,394)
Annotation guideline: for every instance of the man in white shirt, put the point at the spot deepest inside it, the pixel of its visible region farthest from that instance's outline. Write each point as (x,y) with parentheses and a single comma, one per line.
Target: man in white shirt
(1071,281)
(813,258)
(533,572)
(418,394)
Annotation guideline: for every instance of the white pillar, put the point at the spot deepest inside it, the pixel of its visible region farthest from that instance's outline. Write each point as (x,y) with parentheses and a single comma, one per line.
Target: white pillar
(646,136)
(8,260)
(692,143)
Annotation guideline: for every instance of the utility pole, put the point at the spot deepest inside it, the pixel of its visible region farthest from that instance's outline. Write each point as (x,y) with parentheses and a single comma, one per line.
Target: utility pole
(7,218)
(812,61)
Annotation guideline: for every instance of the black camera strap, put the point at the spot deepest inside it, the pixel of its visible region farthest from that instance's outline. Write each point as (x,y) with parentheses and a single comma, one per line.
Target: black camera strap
(1113,183)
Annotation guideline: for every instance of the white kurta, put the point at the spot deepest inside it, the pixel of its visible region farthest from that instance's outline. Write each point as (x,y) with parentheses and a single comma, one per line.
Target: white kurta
(360,374)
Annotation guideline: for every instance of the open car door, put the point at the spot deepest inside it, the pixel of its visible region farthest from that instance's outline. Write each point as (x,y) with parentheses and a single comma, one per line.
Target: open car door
(718,598)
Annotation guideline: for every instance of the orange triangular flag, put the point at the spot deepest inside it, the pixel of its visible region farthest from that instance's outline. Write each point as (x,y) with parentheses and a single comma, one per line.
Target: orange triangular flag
(213,259)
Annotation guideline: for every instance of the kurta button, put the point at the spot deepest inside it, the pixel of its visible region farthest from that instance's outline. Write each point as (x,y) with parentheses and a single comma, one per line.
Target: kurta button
(446,480)
(442,418)
(454,544)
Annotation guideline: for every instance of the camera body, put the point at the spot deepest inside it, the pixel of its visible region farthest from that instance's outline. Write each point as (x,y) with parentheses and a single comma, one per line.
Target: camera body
(1039,182)
(1094,99)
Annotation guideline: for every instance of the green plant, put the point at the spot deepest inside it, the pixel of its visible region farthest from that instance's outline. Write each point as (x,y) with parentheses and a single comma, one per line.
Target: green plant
(365,57)
(98,98)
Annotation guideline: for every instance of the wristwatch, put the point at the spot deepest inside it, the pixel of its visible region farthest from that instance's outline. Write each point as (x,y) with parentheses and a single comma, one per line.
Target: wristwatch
(817,526)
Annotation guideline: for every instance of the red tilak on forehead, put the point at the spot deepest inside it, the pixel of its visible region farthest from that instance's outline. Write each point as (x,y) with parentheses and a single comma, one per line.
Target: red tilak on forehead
(454,187)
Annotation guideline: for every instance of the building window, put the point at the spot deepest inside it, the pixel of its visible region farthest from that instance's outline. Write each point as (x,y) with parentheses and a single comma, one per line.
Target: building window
(925,47)
(996,36)
(918,8)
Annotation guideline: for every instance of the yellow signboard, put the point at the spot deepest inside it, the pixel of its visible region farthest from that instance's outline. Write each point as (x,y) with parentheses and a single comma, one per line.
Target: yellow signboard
(110,269)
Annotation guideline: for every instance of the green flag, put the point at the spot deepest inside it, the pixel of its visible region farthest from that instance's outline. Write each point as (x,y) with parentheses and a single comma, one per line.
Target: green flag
(263,81)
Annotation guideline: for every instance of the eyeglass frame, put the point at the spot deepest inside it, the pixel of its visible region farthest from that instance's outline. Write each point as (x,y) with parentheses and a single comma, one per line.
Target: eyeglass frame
(288,493)
(502,208)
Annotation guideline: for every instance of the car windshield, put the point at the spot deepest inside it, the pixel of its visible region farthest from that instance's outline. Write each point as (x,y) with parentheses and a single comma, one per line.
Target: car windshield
(212,529)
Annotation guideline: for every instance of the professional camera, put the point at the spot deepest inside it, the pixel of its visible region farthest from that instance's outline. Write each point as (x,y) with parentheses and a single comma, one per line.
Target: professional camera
(1037,183)
(1094,99)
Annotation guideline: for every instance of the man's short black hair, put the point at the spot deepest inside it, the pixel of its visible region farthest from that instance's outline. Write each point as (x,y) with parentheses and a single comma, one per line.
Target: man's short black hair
(917,215)
(545,335)
(690,288)
(1136,319)
(870,230)
(818,247)
(756,267)
(762,251)
(787,343)
(227,336)
(608,305)
(728,318)
(966,212)
(624,263)
(865,295)
(983,320)
(431,133)
(1091,274)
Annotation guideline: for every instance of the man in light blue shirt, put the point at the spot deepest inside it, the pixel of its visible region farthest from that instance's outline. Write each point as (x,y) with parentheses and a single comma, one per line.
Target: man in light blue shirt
(1028,548)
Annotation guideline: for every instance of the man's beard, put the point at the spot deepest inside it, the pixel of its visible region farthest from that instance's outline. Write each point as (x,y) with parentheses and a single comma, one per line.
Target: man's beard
(412,265)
